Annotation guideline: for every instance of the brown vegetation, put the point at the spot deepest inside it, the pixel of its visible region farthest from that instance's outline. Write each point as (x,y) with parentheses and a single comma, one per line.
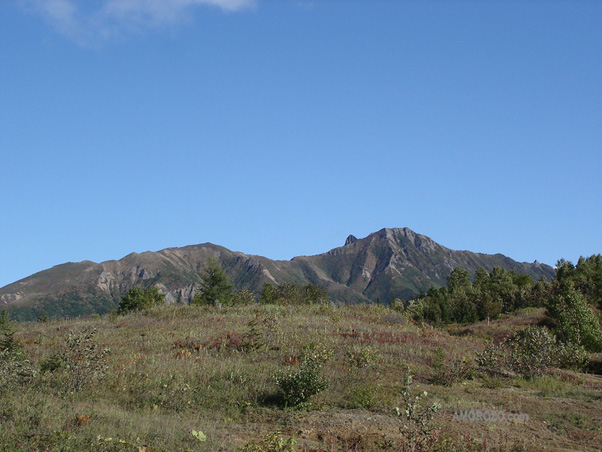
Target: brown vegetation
(147,380)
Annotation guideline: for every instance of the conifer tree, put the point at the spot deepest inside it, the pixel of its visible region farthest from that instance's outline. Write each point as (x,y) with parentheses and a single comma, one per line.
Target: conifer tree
(215,287)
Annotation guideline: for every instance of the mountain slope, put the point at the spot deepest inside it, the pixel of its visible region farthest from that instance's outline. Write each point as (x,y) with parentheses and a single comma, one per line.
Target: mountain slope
(388,263)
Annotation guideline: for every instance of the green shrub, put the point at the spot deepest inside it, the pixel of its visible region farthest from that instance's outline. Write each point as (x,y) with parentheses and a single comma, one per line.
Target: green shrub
(293,294)
(52,363)
(8,343)
(272,442)
(298,387)
(243,297)
(450,368)
(363,396)
(316,353)
(15,370)
(416,419)
(137,299)
(571,356)
(493,358)
(575,321)
(362,357)
(530,353)
(260,332)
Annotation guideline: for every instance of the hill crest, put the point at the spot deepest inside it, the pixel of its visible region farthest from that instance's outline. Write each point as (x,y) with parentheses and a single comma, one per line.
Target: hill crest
(391,262)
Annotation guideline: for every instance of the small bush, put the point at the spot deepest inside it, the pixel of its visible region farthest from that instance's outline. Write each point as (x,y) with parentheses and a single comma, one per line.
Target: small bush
(416,419)
(362,357)
(316,353)
(530,353)
(8,343)
(363,396)
(450,369)
(298,387)
(272,442)
(83,359)
(15,370)
(52,363)
(243,297)
(260,331)
(571,356)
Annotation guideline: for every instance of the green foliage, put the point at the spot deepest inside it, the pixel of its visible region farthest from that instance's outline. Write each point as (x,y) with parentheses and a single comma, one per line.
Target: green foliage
(363,396)
(571,356)
(215,288)
(316,353)
(362,356)
(293,294)
(416,418)
(15,368)
(272,442)
(459,279)
(199,435)
(8,343)
(491,294)
(243,297)
(531,352)
(586,277)
(269,294)
(576,323)
(138,300)
(449,368)
(260,332)
(52,363)
(298,387)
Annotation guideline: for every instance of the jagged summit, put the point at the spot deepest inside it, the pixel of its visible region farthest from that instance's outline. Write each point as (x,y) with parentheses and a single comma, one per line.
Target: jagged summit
(392,262)
(351,239)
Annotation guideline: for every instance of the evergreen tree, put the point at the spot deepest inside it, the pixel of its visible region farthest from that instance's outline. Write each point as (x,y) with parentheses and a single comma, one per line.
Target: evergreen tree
(214,287)
(269,294)
(8,343)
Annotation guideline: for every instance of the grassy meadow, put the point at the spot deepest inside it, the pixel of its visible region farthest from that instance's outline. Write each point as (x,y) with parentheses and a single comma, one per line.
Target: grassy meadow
(186,378)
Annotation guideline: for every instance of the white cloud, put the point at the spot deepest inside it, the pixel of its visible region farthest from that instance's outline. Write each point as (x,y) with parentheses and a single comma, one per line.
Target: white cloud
(86,20)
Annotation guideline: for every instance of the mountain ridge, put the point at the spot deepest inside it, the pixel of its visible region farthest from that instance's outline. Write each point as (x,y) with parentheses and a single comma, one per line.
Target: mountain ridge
(391,262)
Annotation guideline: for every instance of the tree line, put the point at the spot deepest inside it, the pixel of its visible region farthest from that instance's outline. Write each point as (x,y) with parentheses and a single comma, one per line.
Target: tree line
(216,290)
(573,299)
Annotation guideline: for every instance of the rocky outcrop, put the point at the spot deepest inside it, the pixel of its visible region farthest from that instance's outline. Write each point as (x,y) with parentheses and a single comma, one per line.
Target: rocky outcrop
(351,239)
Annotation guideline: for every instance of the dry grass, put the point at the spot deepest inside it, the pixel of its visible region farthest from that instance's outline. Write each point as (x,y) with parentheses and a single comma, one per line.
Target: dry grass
(177,369)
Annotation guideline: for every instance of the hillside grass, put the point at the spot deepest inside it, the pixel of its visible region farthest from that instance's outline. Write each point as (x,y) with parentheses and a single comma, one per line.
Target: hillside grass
(178,369)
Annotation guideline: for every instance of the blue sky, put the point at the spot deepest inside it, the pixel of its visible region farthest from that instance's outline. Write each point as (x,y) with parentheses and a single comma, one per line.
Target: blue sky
(279,127)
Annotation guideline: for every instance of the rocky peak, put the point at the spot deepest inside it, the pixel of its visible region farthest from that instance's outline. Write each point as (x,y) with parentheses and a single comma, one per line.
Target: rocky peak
(351,239)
